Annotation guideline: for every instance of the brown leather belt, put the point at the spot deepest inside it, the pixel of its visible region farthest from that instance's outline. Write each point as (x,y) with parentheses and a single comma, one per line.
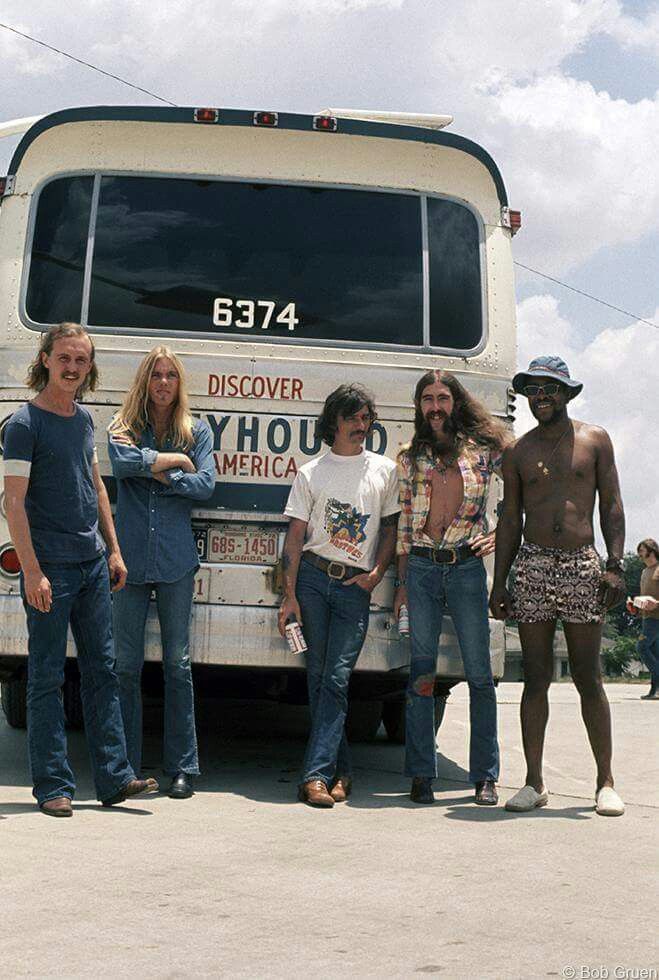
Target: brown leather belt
(444,556)
(334,569)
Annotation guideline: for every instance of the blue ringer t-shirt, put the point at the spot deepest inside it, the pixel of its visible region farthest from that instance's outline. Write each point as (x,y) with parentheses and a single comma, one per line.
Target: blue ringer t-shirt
(57,453)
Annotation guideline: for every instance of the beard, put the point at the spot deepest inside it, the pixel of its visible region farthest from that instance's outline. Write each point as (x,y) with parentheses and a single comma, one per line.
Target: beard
(425,434)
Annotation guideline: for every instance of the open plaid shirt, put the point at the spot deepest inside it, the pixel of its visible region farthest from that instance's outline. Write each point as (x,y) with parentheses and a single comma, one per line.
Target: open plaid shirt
(477,464)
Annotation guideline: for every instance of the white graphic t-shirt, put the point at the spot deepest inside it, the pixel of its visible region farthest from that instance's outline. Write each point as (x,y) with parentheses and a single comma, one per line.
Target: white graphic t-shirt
(343,499)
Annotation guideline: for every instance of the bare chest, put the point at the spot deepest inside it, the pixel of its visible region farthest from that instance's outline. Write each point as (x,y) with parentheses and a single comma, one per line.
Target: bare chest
(446,496)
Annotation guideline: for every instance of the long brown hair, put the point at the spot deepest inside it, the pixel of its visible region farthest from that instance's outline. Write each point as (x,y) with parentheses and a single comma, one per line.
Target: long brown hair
(650,545)
(133,416)
(469,419)
(37,375)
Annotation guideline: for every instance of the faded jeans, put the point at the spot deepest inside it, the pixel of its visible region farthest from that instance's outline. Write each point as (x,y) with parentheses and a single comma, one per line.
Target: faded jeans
(81,598)
(174,606)
(648,648)
(335,621)
(462,588)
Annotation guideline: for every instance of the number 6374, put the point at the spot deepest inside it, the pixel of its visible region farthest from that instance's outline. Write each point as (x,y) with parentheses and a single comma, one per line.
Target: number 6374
(243,313)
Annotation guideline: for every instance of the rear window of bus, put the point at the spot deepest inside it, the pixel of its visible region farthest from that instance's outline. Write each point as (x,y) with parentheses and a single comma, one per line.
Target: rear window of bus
(257,261)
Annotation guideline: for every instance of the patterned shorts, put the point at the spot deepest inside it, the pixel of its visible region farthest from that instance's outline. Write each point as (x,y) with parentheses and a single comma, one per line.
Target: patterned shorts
(554,584)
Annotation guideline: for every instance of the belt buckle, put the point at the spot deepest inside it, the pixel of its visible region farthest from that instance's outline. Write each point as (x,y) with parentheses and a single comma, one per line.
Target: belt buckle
(438,561)
(331,574)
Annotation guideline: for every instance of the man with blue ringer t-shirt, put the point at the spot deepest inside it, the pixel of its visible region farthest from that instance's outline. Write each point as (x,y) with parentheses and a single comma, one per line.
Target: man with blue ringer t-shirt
(55,501)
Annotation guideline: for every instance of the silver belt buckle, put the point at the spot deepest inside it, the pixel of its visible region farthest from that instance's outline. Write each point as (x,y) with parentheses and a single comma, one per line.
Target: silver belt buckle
(341,573)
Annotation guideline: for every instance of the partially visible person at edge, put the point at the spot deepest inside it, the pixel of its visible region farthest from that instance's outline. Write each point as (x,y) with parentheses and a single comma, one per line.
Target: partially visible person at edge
(552,475)
(162,458)
(55,501)
(648,641)
(343,510)
(444,476)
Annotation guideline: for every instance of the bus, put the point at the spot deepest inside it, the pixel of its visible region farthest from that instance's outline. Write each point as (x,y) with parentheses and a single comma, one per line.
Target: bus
(280,255)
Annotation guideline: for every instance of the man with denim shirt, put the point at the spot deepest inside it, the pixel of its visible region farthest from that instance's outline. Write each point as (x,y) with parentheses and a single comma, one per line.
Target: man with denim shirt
(444,477)
(55,501)
(163,460)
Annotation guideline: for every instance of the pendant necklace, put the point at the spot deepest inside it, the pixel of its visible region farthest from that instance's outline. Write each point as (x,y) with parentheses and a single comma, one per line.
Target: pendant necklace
(442,466)
(544,466)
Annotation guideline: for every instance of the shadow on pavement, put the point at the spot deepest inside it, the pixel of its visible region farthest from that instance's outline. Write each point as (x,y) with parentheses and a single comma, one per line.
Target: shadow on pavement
(481,814)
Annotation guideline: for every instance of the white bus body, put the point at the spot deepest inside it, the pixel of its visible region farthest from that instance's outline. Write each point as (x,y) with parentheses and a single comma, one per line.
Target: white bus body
(279,261)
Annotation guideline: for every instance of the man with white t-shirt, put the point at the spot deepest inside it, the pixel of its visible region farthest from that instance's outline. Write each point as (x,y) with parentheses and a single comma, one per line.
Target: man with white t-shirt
(343,510)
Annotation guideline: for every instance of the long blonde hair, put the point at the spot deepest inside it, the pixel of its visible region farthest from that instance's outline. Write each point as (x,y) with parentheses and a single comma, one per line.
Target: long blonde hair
(133,416)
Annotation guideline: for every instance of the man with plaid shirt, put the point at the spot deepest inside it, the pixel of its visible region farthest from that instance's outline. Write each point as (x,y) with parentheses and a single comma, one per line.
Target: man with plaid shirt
(444,477)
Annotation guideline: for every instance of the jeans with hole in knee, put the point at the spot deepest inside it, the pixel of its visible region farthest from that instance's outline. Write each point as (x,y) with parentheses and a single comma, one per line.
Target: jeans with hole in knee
(334,623)
(174,607)
(81,599)
(648,648)
(462,589)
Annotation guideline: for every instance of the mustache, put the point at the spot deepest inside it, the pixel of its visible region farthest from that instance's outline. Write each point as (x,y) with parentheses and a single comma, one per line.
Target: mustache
(424,429)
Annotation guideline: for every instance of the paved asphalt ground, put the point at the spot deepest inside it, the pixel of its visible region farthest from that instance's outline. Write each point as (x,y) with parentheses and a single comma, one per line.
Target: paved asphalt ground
(241,881)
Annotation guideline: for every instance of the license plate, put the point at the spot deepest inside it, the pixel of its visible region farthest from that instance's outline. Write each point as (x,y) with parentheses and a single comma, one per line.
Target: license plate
(243,545)
(201,541)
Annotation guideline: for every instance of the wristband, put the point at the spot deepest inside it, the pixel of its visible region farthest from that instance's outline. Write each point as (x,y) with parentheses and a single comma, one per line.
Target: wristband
(400,581)
(614,565)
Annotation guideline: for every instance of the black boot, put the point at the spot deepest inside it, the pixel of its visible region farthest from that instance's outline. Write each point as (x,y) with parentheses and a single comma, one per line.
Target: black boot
(421,791)
(181,788)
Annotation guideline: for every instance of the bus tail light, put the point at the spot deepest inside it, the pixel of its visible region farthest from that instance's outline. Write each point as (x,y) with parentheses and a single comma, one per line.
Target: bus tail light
(206,115)
(9,563)
(266,118)
(325,124)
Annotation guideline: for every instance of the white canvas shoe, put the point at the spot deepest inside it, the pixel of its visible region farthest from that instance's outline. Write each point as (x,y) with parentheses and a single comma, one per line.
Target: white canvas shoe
(527,799)
(608,803)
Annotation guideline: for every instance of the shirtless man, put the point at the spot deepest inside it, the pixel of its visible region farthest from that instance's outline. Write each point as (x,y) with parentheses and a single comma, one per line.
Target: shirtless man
(551,476)
(444,476)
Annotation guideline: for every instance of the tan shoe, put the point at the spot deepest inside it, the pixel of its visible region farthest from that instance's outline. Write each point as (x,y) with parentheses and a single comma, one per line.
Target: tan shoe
(341,789)
(60,806)
(314,793)
(136,787)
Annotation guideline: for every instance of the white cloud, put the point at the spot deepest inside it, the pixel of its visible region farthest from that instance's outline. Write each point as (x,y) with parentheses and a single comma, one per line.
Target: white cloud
(586,170)
(619,394)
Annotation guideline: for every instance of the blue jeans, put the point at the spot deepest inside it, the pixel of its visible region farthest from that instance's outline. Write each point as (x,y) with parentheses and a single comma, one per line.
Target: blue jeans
(335,621)
(462,588)
(174,605)
(81,598)
(648,648)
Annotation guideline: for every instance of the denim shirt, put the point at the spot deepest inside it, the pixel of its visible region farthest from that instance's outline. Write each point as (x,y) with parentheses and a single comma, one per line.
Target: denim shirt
(153,520)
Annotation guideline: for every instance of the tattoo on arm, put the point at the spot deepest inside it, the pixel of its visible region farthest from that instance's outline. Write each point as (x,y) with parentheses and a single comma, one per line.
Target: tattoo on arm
(285,561)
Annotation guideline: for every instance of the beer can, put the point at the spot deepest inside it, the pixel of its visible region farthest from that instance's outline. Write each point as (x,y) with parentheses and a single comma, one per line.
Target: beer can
(295,637)
(404,621)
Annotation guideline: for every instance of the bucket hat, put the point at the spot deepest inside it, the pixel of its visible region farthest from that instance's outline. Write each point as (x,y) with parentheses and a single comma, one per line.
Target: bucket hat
(547,366)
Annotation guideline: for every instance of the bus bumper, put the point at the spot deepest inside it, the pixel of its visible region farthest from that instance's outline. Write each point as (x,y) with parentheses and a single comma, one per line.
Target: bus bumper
(247,636)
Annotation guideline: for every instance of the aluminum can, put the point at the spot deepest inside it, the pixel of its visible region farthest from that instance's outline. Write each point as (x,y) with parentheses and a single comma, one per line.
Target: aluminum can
(295,637)
(404,621)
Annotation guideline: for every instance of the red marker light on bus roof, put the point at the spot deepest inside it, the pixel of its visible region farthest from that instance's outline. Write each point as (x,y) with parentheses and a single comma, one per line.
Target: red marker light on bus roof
(266,118)
(206,115)
(327,124)
(511,219)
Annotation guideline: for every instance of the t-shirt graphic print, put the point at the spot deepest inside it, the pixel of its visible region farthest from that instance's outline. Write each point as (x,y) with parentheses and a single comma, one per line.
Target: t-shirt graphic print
(346,527)
(342,499)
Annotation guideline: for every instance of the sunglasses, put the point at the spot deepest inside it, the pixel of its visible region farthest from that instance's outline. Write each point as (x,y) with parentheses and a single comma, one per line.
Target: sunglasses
(552,388)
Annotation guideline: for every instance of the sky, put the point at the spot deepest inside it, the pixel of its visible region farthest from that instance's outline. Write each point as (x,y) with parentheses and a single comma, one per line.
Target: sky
(563,93)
